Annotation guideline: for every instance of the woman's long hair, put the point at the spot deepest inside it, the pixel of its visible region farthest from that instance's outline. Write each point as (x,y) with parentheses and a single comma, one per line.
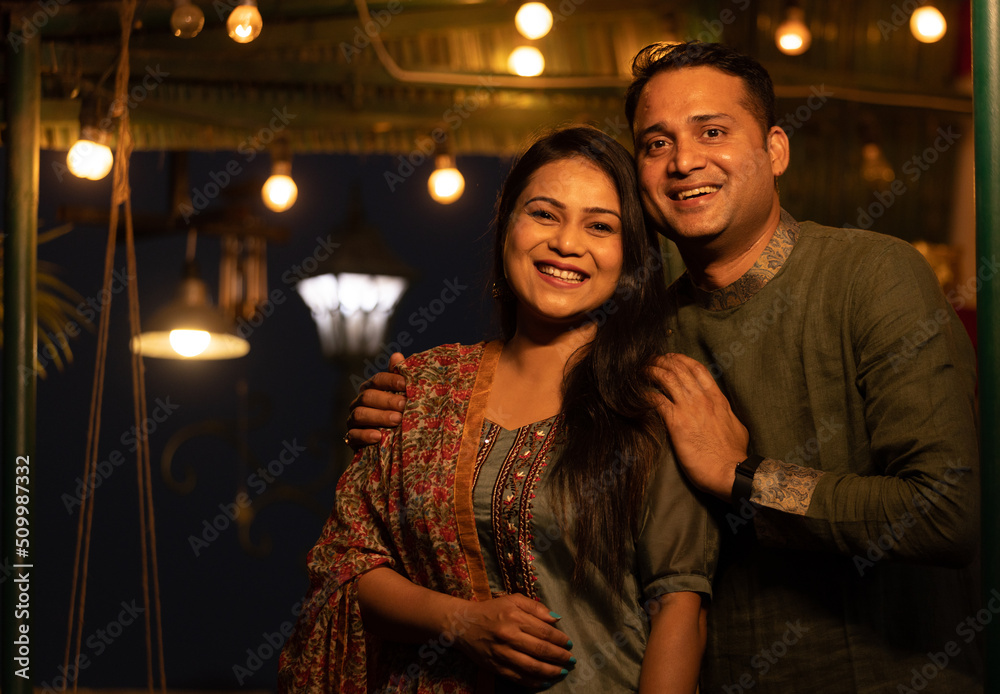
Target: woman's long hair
(613,434)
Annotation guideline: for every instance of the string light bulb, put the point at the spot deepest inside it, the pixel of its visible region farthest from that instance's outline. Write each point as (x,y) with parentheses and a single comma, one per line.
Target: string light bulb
(792,35)
(279,191)
(928,24)
(526,61)
(187,19)
(447,183)
(244,23)
(533,20)
(90,157)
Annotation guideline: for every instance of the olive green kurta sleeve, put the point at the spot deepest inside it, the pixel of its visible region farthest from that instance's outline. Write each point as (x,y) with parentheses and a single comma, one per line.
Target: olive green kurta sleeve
(913,367)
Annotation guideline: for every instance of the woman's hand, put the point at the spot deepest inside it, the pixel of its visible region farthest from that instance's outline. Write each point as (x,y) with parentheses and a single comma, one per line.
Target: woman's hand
(512,636)
(515,637)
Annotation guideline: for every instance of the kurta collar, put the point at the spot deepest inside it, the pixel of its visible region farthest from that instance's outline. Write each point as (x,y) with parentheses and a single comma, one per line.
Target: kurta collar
(753,280)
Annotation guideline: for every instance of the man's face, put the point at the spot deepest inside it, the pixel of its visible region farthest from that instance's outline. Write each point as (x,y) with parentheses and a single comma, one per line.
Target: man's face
(706,171)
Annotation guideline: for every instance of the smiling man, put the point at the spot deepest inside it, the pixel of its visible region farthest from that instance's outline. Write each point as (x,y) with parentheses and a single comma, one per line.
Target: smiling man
(862,464)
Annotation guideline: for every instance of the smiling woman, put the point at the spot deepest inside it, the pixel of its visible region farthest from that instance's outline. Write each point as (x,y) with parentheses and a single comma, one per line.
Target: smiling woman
(563,253)
(525,526)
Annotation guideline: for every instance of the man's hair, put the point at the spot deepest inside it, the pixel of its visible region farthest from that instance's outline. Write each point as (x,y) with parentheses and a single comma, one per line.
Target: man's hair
(659,57)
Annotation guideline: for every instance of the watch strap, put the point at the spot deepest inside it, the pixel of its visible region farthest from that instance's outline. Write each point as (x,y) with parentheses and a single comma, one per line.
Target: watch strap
(743,484)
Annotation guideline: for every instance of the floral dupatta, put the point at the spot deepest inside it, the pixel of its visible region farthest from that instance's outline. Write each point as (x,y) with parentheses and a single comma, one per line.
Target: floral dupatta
(405,504)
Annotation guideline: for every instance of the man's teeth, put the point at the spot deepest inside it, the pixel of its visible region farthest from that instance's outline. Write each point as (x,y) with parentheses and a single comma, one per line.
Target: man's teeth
(566,275)
(695,192)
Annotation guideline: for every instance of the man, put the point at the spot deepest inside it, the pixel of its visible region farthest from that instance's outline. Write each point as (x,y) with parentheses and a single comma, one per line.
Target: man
(859,486)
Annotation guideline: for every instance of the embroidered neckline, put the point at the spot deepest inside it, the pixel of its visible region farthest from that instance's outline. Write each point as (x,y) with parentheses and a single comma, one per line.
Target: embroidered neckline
(753,280)
(512,497)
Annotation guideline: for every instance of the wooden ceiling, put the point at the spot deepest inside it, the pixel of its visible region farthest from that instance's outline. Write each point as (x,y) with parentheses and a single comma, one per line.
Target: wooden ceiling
(313,74)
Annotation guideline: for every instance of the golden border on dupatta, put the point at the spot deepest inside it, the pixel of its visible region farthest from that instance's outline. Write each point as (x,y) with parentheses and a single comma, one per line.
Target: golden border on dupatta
(468,537)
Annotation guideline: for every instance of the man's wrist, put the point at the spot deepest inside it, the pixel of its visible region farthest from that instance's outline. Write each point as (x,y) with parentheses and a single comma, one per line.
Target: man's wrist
(743,474)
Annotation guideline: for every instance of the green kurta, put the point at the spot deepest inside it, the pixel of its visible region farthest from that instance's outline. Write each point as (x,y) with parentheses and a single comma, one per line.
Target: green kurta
(526,551)
(843,356)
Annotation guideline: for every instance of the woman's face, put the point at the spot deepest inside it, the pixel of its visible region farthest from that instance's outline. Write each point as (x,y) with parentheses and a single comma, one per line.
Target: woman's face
(563,252)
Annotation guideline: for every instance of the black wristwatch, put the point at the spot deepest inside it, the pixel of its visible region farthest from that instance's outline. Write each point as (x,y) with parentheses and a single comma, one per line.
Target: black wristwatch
(743,484)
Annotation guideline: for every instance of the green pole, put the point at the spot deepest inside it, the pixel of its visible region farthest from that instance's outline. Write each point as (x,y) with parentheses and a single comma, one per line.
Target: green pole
(23,102)
(986,86)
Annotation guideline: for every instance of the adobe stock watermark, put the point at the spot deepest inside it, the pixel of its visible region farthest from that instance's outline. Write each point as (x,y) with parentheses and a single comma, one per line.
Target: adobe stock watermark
(966,632)
(420,319)
(767,658)
(270,645)
(426,145)
(153,78)
(33,24)
(257,481)
(914,168)
(899,18)
(249,148)
(927,328)
(363,34)
(924,502)
(752,329)
(129,439)
(792,121)
(97,642)
(321,252)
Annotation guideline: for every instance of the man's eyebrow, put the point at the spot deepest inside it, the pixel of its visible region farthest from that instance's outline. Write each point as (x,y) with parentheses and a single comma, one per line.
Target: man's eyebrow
(708,117)
(654,128)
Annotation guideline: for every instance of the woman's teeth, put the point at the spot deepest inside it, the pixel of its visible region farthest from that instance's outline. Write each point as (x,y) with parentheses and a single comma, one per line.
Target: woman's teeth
(566,275)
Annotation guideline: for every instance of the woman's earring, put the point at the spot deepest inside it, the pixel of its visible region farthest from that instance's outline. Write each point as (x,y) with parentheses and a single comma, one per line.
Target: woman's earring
(497,290)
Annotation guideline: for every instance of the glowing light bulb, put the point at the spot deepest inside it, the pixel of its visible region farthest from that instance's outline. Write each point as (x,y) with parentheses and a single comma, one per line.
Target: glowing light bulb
(447,183)
(89,159)
(189,343)
(533,20)
(793,36)
(244,23)
(279,191)
(526,61)
(928,24)
(187,19)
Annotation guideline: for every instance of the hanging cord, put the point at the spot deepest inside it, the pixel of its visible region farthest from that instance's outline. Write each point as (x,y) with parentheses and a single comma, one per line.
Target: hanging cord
(120,196)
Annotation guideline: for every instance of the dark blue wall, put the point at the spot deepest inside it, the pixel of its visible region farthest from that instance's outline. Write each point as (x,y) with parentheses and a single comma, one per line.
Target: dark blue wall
(218,600)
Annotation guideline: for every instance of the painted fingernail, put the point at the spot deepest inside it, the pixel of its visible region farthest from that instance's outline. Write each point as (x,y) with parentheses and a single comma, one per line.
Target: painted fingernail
(554,615)
(572,660)
(569,644)
(563,672)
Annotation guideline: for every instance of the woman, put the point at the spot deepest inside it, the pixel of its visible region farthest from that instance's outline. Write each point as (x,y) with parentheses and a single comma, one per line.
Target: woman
(522,527)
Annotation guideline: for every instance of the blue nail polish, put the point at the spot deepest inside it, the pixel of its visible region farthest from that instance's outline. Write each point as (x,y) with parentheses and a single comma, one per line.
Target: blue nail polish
(555,615)
(564,672)
(569,644)
(572,660)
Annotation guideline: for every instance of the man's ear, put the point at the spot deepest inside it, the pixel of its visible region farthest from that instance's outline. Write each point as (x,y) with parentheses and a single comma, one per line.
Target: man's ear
(777,148)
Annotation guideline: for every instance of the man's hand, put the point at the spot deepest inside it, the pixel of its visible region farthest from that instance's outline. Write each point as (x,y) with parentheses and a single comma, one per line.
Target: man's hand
(379,404)
(708,439)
